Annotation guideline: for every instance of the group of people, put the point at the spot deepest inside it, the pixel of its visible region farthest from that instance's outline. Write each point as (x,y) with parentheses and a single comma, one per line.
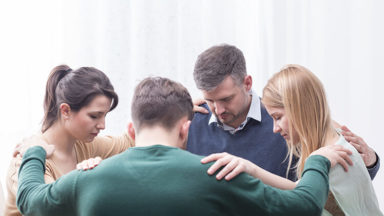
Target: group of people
(281,154)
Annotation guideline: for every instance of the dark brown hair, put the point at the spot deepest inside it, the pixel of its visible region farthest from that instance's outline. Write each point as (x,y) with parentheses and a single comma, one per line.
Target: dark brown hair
(160,101)
(217,63)
(77,88)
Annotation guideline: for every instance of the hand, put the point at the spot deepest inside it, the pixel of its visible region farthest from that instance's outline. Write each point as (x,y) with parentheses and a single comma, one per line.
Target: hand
(233,165)
(197,108)
(368,154)
(336,154)
(35,140)
(89,164)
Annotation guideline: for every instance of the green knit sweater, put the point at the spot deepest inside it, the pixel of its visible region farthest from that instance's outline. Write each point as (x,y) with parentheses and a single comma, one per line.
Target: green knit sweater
(162,180)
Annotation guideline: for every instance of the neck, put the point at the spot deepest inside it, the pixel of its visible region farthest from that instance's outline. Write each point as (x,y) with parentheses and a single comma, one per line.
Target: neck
(331,137)
(157,135)
(59,137)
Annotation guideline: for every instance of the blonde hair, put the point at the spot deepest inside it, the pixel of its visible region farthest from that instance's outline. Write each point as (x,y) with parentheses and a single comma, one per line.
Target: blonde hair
(301,94)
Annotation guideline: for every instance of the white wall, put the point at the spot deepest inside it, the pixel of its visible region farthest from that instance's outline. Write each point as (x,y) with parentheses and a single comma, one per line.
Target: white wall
(340,41)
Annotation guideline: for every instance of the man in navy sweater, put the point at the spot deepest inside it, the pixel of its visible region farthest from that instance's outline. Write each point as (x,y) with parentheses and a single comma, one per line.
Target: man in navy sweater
(237,121)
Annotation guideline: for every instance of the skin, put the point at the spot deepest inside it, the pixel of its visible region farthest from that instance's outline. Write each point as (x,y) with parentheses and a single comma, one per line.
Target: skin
(230,101)
(86,124)
(232,165)
(281,123)
(71,126)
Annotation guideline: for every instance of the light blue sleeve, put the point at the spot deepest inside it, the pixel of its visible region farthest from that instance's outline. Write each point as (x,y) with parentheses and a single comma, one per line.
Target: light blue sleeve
(353,190)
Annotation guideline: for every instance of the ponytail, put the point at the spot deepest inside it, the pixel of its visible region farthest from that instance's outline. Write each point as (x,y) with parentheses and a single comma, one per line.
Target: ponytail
(50,99)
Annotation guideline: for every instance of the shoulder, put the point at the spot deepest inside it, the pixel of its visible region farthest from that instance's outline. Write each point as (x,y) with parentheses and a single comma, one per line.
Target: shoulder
(202,117)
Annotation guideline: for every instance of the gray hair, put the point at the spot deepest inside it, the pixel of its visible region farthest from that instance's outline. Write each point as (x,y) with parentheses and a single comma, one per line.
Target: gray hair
(216,63)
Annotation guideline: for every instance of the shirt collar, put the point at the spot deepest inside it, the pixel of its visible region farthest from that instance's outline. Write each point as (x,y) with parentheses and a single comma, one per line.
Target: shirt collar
(253,113)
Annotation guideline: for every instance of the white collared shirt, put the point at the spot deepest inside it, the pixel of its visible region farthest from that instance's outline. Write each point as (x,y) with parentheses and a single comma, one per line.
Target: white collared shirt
(253,113)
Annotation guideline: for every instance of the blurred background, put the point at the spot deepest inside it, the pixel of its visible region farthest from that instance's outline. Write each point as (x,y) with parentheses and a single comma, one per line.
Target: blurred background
(340,41)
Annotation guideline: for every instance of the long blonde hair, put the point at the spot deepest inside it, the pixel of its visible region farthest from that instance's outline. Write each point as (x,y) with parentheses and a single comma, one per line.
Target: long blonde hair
(301,94)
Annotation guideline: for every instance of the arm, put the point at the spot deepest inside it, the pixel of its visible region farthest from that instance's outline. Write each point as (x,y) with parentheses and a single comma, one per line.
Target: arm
(34,197)
(370,158)
(233,166)
(308,198)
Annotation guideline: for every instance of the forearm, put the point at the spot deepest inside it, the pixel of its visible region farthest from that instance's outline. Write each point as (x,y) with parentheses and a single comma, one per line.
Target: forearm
(34,197)
(31,176)
(310,195)
(271,179)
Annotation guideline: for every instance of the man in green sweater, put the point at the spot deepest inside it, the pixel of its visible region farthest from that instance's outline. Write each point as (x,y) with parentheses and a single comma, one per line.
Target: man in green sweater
(158,177)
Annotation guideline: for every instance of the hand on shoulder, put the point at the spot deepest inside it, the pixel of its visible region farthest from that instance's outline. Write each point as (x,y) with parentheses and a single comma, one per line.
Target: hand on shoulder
(34,140)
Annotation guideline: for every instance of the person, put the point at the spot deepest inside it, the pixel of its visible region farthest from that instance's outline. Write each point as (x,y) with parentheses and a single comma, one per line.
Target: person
(237,122)
(158,177)
(295,98)
(75,105)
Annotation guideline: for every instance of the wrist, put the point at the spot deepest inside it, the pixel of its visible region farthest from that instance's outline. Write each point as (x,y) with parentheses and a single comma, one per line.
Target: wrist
(374,162)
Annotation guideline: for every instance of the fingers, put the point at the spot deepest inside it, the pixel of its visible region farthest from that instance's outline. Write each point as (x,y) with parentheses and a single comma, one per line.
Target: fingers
(343,157)
(89,164)
(227,169)
(218,164)
(16,151)
(356,146)
(200,109)
(212,157)
(198,101)
(234,173)
(345,128)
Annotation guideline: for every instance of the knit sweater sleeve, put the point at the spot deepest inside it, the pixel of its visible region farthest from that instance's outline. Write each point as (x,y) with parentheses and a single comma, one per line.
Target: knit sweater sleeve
(308,198)
(34,197)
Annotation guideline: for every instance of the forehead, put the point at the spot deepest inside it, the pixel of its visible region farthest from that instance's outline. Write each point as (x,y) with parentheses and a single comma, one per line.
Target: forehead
(225,89)
(275,110)
(99,103)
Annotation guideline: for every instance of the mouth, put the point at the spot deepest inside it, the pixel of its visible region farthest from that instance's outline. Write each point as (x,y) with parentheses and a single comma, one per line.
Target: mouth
(224,116)
(94,134)
(285,136)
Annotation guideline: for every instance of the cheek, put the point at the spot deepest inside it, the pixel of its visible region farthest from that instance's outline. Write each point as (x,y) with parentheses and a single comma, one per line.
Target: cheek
(285,126)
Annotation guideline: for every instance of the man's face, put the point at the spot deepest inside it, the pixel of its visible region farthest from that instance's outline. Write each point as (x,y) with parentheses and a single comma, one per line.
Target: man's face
(229,101)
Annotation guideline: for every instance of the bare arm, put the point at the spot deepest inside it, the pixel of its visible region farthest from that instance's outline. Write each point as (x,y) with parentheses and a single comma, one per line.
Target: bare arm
(233,166)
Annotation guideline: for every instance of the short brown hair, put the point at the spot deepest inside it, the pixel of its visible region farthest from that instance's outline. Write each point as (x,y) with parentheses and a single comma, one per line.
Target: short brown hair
(217,63)
(160,101)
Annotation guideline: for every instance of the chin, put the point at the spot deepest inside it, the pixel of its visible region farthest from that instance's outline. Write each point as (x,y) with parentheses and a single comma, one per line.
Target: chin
(88,139)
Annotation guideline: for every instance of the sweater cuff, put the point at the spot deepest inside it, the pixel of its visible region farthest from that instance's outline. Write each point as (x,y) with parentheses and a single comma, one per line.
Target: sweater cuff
(34,153)
(372,170)
(317,162)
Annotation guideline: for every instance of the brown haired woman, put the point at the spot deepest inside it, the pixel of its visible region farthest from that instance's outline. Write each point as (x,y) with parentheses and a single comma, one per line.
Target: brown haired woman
(75,105)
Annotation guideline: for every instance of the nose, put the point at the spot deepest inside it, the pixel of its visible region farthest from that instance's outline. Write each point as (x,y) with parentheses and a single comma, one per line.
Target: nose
(101,124)
(219,108)
(276,128)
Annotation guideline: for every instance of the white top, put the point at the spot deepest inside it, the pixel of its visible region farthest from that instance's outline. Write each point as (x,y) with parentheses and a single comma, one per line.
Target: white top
(253,113)
(353,190)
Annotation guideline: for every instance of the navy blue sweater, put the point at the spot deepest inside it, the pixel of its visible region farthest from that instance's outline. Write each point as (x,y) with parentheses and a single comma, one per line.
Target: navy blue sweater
(255,142)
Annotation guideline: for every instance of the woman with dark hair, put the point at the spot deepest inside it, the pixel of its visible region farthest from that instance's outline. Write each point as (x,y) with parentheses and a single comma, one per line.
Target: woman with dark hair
(75,105)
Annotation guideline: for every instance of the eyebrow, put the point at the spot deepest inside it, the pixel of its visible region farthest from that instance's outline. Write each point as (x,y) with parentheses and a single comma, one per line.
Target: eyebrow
(220,99)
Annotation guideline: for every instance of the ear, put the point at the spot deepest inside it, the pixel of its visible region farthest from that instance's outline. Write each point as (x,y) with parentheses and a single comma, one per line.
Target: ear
(248,82)
(65,110)
(184,130)
(131,130)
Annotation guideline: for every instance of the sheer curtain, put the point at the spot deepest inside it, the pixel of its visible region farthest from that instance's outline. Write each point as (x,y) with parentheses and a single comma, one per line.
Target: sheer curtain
(340,41)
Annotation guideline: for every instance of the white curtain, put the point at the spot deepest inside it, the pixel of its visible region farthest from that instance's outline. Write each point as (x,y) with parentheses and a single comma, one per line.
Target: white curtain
(340,41)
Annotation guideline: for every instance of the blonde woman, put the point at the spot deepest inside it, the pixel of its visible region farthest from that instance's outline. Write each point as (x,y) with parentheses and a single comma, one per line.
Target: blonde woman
(295,98)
